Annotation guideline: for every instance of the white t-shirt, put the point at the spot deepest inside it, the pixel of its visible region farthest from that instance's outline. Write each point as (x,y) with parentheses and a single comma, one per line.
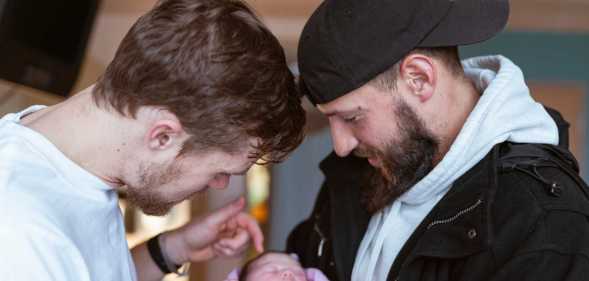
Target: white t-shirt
(57,221)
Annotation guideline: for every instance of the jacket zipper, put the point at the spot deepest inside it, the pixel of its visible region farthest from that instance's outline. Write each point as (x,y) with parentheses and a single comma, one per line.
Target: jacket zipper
(455,217)
(322,242)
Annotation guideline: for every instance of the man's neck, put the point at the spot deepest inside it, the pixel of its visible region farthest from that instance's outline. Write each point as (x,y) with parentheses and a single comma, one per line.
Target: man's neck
(84,133)
(465,99)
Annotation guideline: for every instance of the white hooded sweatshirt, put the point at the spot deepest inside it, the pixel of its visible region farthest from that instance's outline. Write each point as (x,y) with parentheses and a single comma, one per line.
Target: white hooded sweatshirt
(504,112)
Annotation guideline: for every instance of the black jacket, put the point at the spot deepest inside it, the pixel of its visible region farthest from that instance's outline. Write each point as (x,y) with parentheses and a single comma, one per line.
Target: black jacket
(522,213)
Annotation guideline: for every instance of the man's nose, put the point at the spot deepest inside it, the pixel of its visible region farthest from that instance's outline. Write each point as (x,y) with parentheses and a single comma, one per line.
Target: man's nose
(220,181)
(343,139)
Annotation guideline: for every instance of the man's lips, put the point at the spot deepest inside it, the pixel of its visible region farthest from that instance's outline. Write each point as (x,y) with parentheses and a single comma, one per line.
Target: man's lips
(374,161)
(371,157)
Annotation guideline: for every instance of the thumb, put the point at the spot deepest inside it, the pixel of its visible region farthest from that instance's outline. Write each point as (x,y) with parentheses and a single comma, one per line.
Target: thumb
(202,255)
(226,212)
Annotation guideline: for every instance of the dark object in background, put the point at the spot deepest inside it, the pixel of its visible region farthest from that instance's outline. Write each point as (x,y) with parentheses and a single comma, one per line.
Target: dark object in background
(43,42)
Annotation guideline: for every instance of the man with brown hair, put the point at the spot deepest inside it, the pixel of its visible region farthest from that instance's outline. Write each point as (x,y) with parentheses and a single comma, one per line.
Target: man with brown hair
(198,90)
(441,170)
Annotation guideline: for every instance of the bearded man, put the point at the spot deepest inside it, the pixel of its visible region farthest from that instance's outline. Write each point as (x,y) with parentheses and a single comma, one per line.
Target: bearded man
(198,91)
(443,170)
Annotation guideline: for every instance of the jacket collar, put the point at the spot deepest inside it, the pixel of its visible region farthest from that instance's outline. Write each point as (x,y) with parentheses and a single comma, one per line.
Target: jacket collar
(460,224)
(344,178)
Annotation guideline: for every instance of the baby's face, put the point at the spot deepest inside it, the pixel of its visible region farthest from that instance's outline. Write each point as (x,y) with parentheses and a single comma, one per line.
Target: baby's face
(275,267)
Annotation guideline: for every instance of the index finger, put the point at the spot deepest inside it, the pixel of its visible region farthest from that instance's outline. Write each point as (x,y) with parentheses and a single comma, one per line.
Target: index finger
(253,228)
(225,213)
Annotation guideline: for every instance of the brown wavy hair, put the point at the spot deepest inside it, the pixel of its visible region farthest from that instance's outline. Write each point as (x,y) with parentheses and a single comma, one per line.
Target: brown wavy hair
(217,68)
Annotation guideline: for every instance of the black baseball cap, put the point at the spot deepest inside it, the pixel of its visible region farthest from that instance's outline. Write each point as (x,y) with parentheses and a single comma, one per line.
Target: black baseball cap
(346,43)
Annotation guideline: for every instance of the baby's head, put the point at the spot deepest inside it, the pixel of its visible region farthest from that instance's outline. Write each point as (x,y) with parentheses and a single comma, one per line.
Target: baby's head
(273,266)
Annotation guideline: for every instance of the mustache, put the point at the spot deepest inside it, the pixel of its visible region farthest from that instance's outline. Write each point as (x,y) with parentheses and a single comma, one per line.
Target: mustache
(365,152)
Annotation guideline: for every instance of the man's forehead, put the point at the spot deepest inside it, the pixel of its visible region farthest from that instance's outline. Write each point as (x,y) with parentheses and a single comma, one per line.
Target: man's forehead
(335,106)
(348,103)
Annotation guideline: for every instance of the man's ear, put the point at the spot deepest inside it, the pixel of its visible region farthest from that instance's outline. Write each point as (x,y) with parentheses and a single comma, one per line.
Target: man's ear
(164,133)
(418,72)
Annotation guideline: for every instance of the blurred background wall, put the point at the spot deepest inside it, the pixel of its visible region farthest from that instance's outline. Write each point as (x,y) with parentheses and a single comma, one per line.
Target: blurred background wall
(548,39)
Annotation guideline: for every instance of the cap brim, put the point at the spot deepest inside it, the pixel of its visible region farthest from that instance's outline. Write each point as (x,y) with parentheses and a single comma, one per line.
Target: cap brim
(469,22)
(304,91)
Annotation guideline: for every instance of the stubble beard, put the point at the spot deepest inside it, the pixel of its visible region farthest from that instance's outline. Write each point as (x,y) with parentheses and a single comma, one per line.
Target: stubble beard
(146,195)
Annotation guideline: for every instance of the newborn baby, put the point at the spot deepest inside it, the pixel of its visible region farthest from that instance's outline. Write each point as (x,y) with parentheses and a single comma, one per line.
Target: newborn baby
(275,266)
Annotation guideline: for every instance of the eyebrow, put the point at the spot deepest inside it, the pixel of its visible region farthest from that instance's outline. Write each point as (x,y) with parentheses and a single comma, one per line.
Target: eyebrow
(340,112)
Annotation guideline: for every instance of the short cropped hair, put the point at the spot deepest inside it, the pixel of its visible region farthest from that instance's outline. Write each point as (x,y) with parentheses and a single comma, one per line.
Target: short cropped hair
(215,66)
(449,56)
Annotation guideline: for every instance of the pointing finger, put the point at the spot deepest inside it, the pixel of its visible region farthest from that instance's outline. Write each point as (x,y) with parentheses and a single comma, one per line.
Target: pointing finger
(253,228)
(220,216)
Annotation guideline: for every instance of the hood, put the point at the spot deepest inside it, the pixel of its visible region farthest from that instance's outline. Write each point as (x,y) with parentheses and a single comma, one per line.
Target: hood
(504,112)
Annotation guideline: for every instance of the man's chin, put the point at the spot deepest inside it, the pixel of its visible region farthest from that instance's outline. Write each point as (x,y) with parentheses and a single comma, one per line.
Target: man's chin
(151,208)
(160,210)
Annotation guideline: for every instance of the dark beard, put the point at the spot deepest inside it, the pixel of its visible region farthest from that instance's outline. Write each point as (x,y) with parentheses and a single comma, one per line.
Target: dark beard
(403,163)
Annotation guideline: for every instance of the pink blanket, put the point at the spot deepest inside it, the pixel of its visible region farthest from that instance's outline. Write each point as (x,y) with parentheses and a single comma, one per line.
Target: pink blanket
(313,274)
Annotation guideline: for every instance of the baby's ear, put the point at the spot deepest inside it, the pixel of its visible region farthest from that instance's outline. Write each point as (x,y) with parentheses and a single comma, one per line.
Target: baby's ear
(294,256)
(233,275)
(314,274)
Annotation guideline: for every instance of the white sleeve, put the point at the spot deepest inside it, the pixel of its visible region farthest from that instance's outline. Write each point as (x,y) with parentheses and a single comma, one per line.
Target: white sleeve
(37,254)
